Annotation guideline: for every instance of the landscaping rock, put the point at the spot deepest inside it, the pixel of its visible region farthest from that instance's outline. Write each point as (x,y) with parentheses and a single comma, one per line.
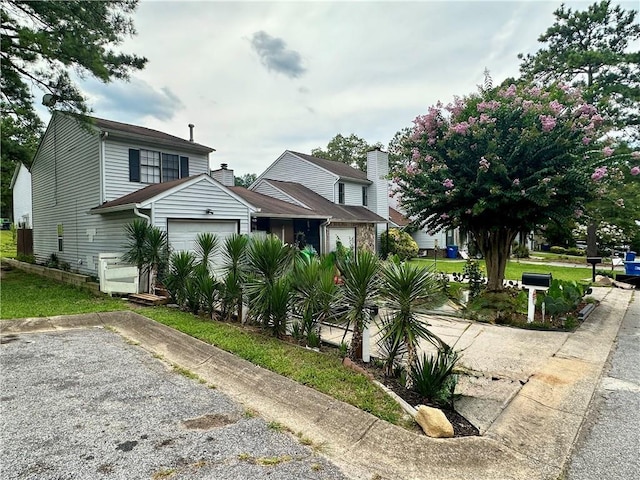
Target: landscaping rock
(603,281)
(433,422)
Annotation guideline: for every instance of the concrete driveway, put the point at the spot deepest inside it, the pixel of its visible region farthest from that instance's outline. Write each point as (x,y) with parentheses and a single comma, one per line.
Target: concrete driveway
(84,404)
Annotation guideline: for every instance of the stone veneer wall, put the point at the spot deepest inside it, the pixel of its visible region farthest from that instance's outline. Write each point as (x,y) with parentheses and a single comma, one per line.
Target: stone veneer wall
(365,234)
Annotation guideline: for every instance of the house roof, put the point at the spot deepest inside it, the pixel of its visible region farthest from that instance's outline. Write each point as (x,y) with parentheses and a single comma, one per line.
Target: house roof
(338,168)
(273,207)
(144,194)
(324,207)
(150,134)
(398,218)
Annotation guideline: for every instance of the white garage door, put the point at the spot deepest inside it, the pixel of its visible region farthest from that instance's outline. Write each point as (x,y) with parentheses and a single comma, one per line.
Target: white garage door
(346,235)
(183,233)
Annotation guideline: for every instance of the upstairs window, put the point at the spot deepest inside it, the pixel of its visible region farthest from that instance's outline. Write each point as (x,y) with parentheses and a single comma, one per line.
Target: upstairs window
(148,166)
(365,199)
(341,193)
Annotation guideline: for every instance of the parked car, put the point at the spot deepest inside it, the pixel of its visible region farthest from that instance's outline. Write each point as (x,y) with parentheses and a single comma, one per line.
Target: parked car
(5,224)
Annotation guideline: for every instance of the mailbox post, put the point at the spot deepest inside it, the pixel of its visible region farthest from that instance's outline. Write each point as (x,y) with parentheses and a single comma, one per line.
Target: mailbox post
(534,282)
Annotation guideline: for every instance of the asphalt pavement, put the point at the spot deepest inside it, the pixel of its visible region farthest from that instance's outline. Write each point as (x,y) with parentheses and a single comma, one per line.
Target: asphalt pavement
(85,404)
(608,444)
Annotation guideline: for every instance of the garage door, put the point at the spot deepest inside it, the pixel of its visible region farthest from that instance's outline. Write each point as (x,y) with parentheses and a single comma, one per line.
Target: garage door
(346,235)
(182,234)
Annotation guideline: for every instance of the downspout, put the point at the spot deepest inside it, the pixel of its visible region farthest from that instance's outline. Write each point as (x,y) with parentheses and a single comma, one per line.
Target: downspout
(103,156)
(323,236)
(141,215)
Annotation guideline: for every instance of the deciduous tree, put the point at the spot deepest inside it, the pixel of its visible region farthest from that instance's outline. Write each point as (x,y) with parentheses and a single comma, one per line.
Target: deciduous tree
(351,150)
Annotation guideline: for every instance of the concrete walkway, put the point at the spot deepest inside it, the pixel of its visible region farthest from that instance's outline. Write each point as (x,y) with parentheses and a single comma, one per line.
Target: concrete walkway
(530,438)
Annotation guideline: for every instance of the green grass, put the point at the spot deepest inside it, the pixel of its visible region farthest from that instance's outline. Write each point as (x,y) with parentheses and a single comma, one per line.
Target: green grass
(515,269)
(7,244)
(25,295)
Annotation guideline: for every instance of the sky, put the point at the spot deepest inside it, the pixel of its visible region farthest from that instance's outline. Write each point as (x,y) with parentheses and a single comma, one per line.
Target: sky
(260,78)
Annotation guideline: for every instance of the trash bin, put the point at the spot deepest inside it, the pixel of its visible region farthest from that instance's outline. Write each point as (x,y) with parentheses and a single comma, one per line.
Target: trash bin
(630,256)
(452,251)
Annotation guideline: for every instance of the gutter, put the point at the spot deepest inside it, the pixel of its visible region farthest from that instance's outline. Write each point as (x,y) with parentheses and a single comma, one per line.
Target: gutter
(323,235)
(141,215)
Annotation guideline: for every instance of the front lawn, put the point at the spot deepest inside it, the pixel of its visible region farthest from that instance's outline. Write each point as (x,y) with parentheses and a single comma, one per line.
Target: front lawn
(515,269)
(25,295)
(7,244)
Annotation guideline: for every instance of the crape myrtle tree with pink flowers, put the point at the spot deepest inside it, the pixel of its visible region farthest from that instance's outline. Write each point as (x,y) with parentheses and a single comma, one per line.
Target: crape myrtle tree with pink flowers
(502,161)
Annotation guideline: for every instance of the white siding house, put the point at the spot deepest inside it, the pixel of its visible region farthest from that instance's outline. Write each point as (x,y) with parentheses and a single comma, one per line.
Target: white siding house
(21,191)
(90,180)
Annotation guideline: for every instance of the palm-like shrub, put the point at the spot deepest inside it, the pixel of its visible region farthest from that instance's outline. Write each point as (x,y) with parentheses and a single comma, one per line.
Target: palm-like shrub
(408,290)
(205,249)
(209,290)
(360,291)
(234,260)
(432,376)
(269,261)
(316,294)
(181,271)
(147,248)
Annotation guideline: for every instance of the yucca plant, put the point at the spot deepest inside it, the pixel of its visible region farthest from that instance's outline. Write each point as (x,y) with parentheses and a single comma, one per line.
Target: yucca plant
(181,270)
(391,348)
(234,261)
(408,290)
(269,261)
(316,294)
(360,274)
(136,234)
(209,290)
(205,249)
(432,376)
(157,252)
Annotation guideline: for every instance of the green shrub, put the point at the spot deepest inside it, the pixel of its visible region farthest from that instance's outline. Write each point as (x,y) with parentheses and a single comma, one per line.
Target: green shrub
(398,242)
(432,376)
(576,252)
(558,250)
(473,271)
(520,251)
(21,257)
(563,297)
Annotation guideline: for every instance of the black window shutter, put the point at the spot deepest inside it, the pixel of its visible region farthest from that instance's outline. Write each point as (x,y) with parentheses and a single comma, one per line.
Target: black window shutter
(184,167)
(134,165)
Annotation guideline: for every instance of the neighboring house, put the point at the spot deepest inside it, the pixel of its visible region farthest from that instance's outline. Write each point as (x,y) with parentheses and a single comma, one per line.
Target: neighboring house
(90,180)
(21,188)
(338,202)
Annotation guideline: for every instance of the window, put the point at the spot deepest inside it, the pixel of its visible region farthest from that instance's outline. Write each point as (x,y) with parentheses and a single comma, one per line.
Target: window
(60,238)
(170,167)
(365,199)
(341,193)
(148,166)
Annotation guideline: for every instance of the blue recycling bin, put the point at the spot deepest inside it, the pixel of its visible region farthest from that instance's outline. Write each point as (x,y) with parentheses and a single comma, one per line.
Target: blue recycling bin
(630,256)
(452,251)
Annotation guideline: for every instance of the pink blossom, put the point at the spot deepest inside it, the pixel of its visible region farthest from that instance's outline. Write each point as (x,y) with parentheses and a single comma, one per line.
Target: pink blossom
(527,105)
(607,151)
(484,118)
(635,170)
(597,120)
(635,154)
(444,216)
(516,182)
(586,140)
(456,107)
(412,168)
(586,109)
(556,107)
(620,202)
(415,154)
(462,128)
(448,183)
(548,122)
(429,159)
(578,212)
(484,164)
(599,173)
(509,92)
(488,106)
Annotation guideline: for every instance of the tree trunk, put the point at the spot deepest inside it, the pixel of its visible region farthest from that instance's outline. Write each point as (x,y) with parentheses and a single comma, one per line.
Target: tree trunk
(495,246)
(355,349)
